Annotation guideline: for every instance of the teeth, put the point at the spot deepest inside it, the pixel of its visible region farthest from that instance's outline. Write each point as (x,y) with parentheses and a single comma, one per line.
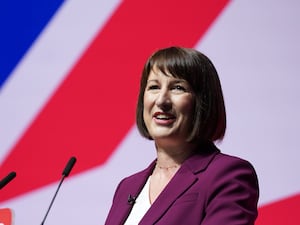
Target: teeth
(162,117)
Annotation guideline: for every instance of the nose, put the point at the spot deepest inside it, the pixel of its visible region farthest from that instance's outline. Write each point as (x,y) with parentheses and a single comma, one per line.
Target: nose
(163,100)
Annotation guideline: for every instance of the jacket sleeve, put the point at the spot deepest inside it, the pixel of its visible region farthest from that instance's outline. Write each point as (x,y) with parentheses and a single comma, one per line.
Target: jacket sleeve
(234,193)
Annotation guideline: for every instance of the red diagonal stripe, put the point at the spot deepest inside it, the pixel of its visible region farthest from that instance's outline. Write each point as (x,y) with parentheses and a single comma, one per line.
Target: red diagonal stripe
(94,107)
(281,212)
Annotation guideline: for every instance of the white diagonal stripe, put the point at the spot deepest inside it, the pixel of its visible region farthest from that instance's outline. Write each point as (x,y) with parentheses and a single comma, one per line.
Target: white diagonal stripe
(47,63)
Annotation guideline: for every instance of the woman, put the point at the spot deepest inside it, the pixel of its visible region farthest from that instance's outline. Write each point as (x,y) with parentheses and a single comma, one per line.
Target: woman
(181,108)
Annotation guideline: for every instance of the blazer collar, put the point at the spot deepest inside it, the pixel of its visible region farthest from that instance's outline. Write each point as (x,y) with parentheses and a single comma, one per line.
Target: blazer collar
(183,180)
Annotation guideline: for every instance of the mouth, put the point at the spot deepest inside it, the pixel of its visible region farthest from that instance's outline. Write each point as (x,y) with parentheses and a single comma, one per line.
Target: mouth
(163,116)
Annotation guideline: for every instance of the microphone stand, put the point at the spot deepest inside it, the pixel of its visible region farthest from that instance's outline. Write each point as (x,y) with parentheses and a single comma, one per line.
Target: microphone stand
(61,181)
(65,173)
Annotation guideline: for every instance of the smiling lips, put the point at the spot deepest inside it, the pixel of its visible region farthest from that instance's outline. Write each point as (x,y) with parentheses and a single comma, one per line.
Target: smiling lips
(163,118)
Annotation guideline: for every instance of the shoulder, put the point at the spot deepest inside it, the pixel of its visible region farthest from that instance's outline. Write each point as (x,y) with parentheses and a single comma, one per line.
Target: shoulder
(214,159)
(226,163)
(231,174)
(217,170)
(227,168)
(230,159)
(231,184)
(211,160)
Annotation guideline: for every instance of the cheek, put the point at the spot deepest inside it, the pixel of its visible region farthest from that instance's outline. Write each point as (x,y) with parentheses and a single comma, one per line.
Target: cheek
(187,106)
(146,108)
(148,102)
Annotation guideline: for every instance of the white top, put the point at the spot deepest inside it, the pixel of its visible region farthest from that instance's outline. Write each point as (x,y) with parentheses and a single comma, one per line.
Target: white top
(140,207)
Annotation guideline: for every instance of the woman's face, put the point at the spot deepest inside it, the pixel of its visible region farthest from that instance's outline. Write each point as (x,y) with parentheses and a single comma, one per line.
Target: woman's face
(168,107)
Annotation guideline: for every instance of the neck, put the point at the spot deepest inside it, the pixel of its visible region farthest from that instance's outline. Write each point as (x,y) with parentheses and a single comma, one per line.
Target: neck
(173,157)
(175,166)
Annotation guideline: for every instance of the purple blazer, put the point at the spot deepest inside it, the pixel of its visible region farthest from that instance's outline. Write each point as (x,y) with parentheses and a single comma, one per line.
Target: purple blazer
(209,189)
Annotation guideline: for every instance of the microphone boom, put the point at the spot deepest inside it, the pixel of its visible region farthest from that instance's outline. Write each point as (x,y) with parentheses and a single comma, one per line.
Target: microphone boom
(65,173)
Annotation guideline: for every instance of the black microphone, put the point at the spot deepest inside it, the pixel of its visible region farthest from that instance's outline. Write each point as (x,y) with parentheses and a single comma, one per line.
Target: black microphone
(65,173)
(7,179)
(69,167)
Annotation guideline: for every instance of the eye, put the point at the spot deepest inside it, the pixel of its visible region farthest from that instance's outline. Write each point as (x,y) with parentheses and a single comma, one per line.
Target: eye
(153,87)
(179,88)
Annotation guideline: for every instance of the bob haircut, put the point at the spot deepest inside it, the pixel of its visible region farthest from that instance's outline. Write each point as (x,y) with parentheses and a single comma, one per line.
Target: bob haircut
(209,116)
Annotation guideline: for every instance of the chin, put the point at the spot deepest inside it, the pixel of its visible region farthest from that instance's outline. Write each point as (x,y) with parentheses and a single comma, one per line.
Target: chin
(165,136)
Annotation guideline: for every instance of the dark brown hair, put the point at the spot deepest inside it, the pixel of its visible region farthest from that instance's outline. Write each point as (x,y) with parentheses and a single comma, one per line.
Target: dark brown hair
(209,117)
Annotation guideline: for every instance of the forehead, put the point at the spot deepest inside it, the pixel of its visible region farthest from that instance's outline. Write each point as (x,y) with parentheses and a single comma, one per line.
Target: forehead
(157,74)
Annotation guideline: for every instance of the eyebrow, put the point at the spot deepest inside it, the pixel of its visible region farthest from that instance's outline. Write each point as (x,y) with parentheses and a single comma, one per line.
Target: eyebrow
(175,80)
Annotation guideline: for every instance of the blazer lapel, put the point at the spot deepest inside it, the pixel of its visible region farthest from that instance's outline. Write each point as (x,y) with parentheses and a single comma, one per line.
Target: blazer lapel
(183,180)
(179,183)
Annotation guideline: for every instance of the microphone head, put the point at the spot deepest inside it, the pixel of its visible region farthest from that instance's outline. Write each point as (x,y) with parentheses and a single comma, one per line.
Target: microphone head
(69,166)
(7,179)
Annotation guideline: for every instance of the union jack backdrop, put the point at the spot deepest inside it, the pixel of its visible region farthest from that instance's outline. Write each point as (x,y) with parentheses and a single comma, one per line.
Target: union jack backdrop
(69,78)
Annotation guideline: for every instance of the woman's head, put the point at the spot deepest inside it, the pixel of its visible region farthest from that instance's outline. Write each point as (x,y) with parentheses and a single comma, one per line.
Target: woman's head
(208,118)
